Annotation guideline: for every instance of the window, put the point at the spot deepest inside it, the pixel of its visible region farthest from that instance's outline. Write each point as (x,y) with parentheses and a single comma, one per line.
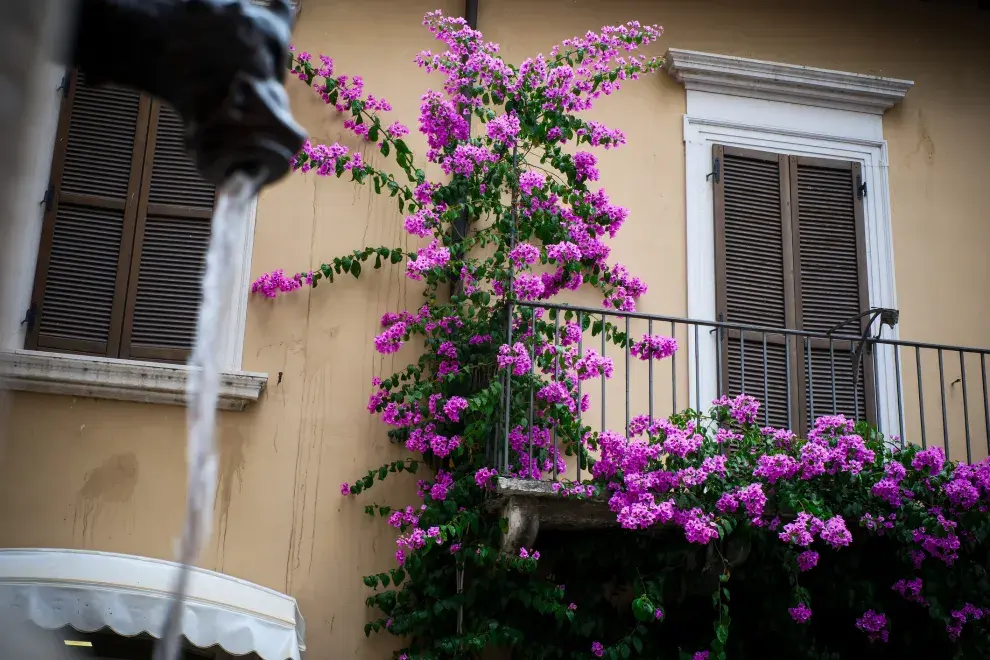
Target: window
(790,252)
(125,233)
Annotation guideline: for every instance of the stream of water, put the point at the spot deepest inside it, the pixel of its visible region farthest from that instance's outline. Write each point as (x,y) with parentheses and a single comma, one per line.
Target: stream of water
(202,392)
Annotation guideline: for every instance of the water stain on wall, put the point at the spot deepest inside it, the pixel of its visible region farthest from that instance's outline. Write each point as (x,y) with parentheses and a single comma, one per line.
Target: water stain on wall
(104,488)
(232,463)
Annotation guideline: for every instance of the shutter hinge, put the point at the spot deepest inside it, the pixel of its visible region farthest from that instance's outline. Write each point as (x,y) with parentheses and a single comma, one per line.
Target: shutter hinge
(30,316)
(716,171)
(49,197)
(65,85)
(860,187)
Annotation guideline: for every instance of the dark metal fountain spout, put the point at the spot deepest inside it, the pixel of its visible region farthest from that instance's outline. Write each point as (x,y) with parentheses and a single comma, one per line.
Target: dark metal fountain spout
(220,63)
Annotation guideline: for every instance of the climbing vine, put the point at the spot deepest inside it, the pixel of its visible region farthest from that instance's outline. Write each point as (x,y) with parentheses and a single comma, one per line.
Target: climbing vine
(732,539)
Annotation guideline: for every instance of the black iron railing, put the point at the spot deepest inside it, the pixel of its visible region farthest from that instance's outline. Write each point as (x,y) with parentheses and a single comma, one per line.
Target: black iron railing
(911,391)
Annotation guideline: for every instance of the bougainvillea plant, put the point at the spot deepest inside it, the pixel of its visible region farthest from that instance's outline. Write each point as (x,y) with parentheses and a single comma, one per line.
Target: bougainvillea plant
(828,546)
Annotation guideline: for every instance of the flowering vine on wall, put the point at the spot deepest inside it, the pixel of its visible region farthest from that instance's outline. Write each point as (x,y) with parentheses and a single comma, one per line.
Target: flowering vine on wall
(827,545)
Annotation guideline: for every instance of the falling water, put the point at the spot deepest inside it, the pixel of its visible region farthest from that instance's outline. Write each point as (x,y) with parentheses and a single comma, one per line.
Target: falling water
(202,391)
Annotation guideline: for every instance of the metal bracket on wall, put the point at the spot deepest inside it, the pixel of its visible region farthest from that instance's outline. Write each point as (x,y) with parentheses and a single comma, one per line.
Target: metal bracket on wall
(716,171)
(860,188)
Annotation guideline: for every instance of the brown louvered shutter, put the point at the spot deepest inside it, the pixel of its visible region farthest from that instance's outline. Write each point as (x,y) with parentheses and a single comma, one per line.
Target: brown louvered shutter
(172,236)
(81,279)
(831,285)
(754,277)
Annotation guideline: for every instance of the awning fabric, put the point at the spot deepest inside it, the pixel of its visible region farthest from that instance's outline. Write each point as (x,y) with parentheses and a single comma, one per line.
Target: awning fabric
(130,595)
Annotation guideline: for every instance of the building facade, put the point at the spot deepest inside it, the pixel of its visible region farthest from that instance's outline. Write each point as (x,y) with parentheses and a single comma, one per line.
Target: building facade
(886,97)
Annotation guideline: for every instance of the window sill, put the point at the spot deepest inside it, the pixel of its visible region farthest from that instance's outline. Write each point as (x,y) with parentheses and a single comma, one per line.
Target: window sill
(122,380)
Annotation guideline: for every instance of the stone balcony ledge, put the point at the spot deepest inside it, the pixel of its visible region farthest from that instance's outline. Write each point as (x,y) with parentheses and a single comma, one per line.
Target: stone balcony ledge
(530,505)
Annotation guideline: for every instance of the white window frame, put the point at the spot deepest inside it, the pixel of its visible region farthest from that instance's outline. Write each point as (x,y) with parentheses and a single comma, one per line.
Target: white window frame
(102,377)
(793,110)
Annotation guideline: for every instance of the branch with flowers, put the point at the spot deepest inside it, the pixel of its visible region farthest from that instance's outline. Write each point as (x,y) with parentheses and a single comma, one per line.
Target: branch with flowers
(828,545)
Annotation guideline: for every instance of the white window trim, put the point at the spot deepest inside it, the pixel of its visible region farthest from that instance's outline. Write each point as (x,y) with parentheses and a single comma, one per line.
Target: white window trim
(100,377)
(795,111)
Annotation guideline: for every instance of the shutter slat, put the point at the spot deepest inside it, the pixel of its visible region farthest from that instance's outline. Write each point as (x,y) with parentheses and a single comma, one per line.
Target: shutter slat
(174,178)
(775,400)
(846,398)
(831,271)
(173,259)
(79,293)
(830,286)
(752,278)
(754,258)
(100,142)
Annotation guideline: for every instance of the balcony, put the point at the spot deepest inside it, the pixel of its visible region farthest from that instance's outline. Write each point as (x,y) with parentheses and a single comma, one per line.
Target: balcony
(912,392)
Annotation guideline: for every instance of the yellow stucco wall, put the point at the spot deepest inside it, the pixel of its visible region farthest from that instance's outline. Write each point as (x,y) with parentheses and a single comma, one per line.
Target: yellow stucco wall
(109,476)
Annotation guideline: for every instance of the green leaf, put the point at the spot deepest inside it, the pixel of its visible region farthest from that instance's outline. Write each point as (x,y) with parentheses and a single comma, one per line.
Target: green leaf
(356,269)
(385,149)
(396,256)
(373,132)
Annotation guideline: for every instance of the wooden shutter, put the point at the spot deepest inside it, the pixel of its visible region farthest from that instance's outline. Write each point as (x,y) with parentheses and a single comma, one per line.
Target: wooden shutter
(831,285)
(754,277)
(81,279)
(172,236)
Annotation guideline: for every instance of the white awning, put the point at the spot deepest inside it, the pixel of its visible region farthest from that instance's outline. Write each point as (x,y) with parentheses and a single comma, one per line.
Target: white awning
(130,595)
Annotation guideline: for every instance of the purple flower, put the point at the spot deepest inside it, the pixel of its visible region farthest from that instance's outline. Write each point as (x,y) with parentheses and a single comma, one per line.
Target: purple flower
(700,655)
(807,560)
(390,341)
(910,590)
(273,283)
(597,649)
(743,408)
(345,489)
(727,503)
(438,490)
(484,476)
(802,531)
(933,459)
(959,618)
(654,347)
(801,613)
(835,533)
(524,254)
(427,258)
(752,496)
(584,165)
(592,365)
(454,407)
(700,527)
(516,357)
(504,128)
(874,624)
(563,252)
(962,493)
(773,467)
(531,181)
(889,491)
